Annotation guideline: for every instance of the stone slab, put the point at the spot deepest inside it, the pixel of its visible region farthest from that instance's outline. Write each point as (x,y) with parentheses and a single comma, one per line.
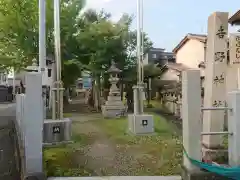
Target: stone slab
(56,131)
(215,77)
(114,103)
(9,163)
(200,175)
(119,178)
(140,124)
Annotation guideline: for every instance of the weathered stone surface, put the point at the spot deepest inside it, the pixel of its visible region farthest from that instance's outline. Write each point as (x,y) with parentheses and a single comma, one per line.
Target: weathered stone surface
(9,167)
(215,77)
(113,107)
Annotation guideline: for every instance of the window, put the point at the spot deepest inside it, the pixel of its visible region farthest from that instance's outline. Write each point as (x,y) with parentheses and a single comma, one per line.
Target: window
(49,72)
(154,56)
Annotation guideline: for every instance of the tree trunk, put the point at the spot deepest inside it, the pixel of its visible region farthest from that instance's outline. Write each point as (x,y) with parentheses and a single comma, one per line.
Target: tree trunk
(96,94)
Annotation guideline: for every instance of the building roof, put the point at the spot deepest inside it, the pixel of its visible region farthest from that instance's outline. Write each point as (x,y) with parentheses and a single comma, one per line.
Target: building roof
(157,49)
(199,37)
(177,66)
(235,18)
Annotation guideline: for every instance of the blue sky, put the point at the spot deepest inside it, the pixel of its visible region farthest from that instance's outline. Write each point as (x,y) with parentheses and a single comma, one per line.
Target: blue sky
(168,21)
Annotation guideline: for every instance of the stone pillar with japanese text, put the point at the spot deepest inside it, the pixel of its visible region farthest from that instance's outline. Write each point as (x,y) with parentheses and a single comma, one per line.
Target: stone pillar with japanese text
(233,79)
(215,78)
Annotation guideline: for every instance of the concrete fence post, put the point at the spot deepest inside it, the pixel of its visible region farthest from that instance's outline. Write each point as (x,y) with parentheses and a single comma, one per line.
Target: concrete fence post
(33,123)
(234,127)
(20,101)
(191,117)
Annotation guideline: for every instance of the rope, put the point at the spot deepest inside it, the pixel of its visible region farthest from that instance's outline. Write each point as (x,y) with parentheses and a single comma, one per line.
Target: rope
(230,172)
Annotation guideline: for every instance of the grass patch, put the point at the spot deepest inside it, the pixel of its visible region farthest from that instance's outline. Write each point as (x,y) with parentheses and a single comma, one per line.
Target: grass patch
(159,154)
(59,160)
(164,150)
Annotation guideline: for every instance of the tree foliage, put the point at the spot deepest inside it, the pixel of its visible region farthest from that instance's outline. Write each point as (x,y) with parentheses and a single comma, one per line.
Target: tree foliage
(90,41)
(19,32)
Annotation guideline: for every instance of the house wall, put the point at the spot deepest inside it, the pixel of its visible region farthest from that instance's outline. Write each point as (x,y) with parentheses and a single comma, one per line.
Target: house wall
(191,54)
(145,59)
(21,76)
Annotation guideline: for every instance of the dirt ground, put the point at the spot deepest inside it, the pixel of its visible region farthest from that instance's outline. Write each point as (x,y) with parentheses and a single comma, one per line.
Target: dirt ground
(105,149)
(103,155)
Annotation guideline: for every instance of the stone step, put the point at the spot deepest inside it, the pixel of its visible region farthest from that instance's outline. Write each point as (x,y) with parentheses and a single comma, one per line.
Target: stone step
(119,178)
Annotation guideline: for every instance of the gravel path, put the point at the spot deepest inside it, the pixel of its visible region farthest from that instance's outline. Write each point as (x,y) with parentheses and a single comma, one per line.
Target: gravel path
(102,155)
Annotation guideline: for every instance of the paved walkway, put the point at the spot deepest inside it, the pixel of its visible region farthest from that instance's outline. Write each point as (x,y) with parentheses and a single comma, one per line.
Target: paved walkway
(8,164)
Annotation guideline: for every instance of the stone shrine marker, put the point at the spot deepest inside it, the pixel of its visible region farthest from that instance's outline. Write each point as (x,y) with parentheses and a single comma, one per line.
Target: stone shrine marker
(234,49)
(233,79)
(215,79)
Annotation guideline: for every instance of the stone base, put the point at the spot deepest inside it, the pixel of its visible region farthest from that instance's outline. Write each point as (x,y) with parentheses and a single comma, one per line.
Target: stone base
(55,144)
(35,176)
(113,111)
(217,154)
(56,131)
(201,175)
(140,124)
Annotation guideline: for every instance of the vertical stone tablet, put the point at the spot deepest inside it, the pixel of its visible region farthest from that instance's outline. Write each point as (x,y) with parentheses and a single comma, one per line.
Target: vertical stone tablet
(215,77)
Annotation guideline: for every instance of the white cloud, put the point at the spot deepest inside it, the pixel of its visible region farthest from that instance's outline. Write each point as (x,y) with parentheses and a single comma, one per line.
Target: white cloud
(115,7)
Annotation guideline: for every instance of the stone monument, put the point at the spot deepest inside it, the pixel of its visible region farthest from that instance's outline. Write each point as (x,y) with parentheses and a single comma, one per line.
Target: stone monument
(114,107)
(215,79)
(233,71)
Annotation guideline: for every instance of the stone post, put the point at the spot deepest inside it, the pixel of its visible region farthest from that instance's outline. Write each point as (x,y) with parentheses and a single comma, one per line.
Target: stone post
(234,127)
(215,76)
(233,78)
(191,116)
(33,123)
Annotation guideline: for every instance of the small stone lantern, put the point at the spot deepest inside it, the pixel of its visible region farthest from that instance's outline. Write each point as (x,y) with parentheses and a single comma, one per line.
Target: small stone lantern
(114,107)
(33,67)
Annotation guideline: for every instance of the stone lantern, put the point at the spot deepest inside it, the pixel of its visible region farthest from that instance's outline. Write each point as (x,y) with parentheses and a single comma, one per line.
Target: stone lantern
(114,107)
(33,67)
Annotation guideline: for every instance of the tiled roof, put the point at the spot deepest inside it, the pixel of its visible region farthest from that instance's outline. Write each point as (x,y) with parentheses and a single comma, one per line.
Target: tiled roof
(177,66)
(235,18)
(199,37)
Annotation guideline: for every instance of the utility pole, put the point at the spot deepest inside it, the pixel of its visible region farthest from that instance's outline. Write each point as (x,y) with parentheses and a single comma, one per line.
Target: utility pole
(42,50)
(57,103)
(139,87)
(138,122)
(42,35)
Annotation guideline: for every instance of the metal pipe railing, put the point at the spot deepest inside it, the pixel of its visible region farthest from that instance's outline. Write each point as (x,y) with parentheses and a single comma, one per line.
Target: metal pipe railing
(216,133)
(215,108)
